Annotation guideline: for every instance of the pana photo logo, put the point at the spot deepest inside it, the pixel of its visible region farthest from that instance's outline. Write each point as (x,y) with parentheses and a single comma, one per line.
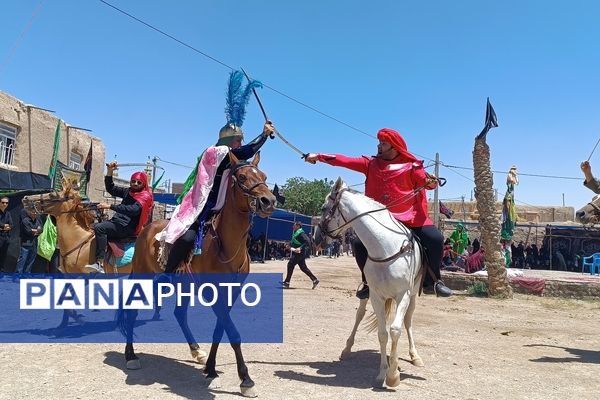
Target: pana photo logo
(140,294)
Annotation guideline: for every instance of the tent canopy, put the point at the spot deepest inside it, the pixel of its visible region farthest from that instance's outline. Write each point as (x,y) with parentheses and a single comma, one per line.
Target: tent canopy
(279,225)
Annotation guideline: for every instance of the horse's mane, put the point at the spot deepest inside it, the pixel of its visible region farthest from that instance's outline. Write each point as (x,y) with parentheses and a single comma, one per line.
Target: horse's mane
(367,199)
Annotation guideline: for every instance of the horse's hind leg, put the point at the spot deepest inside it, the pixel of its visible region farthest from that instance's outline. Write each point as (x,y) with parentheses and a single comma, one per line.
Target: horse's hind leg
(415,359)
(393,375)
(211,362)
(382,334)
(360,313)
(181,316)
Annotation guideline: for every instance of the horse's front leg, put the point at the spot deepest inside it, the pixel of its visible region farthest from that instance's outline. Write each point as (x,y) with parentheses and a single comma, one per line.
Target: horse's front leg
(415,359)
(393,376)
(247,384)
(360,314)
(181,316)
(382,334)
(127,322)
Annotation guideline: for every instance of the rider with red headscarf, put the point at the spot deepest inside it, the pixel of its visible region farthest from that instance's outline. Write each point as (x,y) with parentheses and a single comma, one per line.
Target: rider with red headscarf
(130,216)
(395,178)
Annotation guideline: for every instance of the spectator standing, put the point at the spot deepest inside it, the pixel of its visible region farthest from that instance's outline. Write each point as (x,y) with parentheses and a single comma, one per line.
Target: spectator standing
(6,225)
(31,227)
(300,247)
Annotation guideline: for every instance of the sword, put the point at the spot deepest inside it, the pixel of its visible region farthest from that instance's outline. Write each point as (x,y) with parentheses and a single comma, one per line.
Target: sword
(279,135)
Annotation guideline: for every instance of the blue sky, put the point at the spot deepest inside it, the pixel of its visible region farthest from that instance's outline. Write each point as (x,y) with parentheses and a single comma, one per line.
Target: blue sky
(424,68)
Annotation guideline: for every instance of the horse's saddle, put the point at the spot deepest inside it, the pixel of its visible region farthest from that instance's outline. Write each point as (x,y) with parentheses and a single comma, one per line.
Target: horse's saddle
(121,250)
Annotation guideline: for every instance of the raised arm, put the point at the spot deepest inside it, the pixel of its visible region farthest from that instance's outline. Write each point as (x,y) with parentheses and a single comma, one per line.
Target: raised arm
(358,164)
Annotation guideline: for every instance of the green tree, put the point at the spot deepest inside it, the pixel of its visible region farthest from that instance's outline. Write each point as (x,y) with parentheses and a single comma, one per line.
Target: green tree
(304,196)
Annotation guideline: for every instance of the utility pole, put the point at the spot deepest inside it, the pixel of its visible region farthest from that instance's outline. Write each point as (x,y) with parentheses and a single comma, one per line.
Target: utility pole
(563,199)
(463,209)
(436,203)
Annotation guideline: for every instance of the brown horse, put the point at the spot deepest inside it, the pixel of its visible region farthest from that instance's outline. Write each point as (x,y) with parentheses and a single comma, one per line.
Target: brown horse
(74,224)
(223,251)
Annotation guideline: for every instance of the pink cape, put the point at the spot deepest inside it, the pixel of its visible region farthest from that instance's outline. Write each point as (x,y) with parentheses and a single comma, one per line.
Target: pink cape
(192,204)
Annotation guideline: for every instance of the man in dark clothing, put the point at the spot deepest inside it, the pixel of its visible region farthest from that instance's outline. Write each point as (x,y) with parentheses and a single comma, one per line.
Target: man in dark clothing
(476,245)
(129,218)
(301,248)
(5,228)
(31,227)
(231,136)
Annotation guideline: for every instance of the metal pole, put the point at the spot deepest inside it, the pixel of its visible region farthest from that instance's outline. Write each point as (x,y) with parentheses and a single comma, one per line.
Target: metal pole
(266,240)
(29,137)
(436,203)
(563,199)
(463,209)
(550,245)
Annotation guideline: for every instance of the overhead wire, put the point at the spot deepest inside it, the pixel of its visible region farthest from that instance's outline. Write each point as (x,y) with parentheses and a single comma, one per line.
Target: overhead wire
(303,104)
(19,40)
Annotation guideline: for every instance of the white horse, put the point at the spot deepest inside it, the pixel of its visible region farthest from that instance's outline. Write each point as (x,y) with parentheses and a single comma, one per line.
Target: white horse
(393,270)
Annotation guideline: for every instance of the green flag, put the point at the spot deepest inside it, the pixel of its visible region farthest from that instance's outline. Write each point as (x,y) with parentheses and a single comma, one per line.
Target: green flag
(52,170)
(155,184)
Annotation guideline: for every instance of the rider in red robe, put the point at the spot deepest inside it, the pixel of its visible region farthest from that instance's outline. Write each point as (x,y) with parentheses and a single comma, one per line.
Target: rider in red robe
(396,179)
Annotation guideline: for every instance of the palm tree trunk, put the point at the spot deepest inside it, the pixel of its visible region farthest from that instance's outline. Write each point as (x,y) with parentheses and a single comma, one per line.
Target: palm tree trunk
(489,222)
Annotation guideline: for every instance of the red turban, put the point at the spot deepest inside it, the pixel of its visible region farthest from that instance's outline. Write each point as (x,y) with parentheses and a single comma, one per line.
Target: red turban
(397,142)
(144,197)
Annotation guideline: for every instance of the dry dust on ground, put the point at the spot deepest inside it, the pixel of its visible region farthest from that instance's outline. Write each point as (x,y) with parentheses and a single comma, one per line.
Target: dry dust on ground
(473,348)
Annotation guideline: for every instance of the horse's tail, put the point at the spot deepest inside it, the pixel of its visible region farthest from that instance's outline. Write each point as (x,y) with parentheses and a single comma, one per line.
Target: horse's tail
(390,311)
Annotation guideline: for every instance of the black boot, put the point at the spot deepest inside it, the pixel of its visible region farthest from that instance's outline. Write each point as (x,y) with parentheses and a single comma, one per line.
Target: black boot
(363,292)
(441,290)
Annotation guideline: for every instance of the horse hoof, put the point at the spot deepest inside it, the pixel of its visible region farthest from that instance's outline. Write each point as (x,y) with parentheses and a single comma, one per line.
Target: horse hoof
(200,356)
(345,354)
(417,362)
(215,383)
(393,380)
(379,383)
(134,364)
(248,391)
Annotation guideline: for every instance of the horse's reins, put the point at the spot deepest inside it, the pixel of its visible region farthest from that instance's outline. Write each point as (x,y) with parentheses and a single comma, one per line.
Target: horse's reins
(403,249)
(79,246)
(252,203)
(400,200)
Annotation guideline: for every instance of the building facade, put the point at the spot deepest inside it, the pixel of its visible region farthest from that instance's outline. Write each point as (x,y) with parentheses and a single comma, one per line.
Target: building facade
(27,143)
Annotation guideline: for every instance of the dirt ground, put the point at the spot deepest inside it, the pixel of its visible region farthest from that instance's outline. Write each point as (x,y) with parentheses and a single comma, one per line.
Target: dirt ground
(473,348)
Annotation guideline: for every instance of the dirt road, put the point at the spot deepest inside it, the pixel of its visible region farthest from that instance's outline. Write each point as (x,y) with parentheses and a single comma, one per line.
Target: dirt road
(473,348)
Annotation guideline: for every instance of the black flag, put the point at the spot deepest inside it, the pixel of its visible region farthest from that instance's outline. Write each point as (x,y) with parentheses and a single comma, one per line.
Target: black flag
(490,120)
(278,196)
(445,210)
(87,165)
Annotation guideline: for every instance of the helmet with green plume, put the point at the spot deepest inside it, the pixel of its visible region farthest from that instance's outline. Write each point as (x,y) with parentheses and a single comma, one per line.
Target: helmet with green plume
(237,98)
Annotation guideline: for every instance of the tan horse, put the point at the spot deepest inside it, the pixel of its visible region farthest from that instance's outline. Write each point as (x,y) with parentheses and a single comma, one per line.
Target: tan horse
(223,251)
(74,224)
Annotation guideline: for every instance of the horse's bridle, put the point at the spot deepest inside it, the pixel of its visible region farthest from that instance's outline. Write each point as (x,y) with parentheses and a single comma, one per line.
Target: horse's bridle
(247,191)
(49,201)
(326,218)
(252,205)
(324,223)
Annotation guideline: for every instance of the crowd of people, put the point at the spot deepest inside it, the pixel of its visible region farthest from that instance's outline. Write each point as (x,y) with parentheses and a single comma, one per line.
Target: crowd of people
(30,227)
